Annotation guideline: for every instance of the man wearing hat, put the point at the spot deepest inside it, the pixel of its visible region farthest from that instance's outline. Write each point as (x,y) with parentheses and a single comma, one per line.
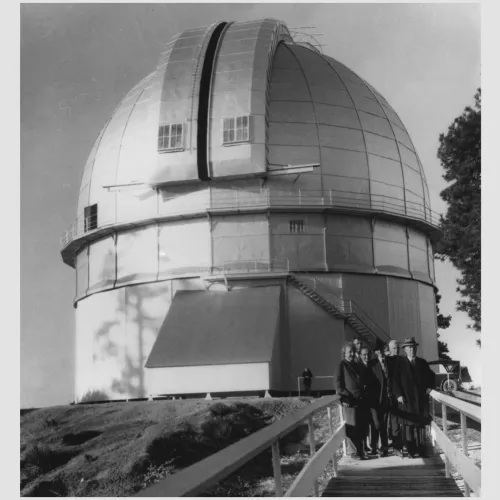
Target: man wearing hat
(412,382)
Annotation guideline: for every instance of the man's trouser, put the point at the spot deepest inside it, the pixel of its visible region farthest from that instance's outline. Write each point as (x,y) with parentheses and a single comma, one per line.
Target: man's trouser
(378,424)
(307,385)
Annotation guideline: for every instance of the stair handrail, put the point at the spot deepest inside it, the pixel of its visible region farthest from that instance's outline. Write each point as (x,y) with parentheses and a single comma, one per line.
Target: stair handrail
(362,315)
(347,306)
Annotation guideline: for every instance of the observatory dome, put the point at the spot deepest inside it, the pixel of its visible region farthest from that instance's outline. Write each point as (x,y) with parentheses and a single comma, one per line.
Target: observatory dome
(293,106)
(251,164)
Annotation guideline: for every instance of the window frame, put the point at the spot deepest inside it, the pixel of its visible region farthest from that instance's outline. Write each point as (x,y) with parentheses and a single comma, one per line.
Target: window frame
(297,226)
(230,126)
(169,132)
(90,218)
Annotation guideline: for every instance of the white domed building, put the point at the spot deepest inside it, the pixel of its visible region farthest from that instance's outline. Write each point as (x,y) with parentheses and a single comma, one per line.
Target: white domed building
(249,206)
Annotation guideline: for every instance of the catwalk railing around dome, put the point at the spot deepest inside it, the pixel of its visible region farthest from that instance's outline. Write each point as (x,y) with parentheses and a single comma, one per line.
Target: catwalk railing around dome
(213,199)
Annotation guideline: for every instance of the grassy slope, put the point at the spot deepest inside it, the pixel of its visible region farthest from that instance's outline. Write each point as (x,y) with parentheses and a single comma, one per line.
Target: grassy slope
(120,460)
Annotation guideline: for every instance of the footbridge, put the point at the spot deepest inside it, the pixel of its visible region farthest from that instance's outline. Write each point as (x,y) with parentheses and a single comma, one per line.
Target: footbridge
(391,476)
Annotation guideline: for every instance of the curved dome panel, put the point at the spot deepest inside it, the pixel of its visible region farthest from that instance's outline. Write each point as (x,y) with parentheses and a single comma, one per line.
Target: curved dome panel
(322,112)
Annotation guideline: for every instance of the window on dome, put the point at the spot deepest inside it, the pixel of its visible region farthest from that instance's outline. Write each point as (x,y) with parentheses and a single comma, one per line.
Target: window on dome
(171,137)
(90,218)
(297,226)
(236,129)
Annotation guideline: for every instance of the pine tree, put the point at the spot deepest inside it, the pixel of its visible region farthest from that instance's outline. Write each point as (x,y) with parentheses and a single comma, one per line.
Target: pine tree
(460,156)
(443,322)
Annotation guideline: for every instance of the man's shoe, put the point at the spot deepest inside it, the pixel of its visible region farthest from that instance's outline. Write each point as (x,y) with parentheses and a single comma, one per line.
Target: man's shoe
(384,453)
(373,452)
(398,453)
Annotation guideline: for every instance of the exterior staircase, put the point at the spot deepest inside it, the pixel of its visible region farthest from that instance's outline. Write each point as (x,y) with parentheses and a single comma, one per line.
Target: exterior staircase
(339,308)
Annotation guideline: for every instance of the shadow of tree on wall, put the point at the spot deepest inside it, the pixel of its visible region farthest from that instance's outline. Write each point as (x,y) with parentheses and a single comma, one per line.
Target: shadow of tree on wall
(128,332)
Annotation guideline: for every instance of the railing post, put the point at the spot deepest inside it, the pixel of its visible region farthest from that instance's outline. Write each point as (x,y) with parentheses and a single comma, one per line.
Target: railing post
(331,202)
(433,414)
(330,424)
(330,427)
(444,416)
(312,449)
(277,469)
(300,197)
(342,420)
(465,447)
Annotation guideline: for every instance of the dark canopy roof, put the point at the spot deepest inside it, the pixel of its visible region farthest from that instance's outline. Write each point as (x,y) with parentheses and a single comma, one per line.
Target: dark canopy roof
(209,328)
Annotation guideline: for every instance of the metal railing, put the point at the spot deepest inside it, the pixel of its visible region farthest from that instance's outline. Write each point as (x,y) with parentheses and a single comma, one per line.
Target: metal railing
(220,199)
(348,306)
(314,377)
(205,474)
(470,472)
(354,308)
(255,266)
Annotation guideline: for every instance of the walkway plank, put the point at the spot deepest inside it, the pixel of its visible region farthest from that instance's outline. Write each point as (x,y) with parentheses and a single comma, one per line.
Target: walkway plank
(392,477)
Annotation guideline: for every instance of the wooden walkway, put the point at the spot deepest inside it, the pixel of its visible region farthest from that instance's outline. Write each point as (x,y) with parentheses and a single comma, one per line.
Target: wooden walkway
(392,477)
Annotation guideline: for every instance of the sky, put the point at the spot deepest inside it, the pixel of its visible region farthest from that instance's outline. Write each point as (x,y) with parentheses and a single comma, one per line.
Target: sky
(79,60)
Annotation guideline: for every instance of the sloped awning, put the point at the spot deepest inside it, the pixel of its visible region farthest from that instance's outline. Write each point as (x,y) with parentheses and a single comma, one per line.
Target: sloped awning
(210,328)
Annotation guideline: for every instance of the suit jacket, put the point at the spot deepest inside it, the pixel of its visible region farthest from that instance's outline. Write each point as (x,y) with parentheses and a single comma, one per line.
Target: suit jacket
(411,382)
(349,384)
(377,385)
(349,381)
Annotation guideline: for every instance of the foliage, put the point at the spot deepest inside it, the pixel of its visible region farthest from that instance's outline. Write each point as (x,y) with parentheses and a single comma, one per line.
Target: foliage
(460,155)
(224,425)
(443,322)
(94,396)
(40,458)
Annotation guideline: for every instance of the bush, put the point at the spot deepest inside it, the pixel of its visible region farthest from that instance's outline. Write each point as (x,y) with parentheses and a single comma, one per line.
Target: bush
(40,458)
(93,396)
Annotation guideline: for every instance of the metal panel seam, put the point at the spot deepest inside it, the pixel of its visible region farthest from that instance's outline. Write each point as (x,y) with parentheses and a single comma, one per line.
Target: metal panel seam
(397,145)
(362,129)
(125,129)
(314,110)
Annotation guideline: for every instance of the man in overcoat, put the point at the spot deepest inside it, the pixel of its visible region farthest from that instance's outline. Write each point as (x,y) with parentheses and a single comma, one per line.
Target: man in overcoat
(377,382)
(394,425)
(413,381)
(349,384)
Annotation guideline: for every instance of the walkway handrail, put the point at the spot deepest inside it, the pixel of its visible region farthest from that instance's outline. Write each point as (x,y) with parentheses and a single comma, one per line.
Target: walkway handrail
(470,472)
(208,472)
(467,396)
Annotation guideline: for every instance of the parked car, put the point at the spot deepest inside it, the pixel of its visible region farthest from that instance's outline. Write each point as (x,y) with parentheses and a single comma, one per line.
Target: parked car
(448,374)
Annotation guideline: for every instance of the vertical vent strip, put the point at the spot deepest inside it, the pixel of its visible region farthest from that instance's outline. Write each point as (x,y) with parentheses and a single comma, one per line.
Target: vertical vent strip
(205,82)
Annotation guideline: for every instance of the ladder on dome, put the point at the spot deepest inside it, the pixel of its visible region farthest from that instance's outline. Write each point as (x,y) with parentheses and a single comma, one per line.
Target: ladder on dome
(339,308)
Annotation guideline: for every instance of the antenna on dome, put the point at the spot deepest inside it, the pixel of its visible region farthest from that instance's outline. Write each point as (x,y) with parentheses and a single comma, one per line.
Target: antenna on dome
(304,35)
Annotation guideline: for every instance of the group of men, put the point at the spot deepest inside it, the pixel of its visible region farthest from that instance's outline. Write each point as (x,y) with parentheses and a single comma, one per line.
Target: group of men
(384,396)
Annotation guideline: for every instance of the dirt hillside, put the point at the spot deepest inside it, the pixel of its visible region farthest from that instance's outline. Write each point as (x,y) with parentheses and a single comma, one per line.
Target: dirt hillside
(115,449)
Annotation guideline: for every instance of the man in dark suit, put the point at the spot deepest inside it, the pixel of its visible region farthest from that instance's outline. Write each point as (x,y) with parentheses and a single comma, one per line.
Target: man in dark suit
(413,381)
(349,385)
(377,381)
(307,376)
(394,425)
